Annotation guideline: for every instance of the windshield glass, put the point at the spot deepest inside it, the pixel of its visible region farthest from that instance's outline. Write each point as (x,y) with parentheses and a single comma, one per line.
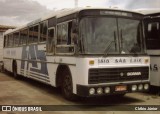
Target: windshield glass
(107,35)
(130,36)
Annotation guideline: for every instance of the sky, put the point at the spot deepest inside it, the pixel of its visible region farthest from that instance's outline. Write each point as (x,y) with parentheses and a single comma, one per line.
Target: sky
(19,12)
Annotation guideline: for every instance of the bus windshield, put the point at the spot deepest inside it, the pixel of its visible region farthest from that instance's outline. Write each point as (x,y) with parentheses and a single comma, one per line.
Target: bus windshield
(108,35)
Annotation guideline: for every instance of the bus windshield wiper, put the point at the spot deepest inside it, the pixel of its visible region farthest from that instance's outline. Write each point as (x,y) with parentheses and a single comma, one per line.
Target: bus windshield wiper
(110,44)
(108,47)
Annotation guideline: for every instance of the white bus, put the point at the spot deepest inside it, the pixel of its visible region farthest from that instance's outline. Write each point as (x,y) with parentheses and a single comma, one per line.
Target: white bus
(86,51)
(152,34)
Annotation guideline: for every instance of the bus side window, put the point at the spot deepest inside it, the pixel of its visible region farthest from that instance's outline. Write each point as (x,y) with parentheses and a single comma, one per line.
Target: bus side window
(10,40)
(30,35)
(51,35)
(69,33)
(72,33)
(33,34)
(43,31)
(65,38)
(62,34)
(16,38)
(5,40)
(23,37)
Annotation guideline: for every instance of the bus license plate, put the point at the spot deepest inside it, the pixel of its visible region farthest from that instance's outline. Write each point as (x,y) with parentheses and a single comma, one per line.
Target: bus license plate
(121,88)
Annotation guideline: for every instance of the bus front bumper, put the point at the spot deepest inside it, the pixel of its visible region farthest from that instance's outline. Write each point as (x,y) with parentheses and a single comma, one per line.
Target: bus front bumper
(112,89)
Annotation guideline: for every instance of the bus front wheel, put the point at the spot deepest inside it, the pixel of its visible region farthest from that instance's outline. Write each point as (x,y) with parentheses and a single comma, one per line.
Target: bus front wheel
(67,86)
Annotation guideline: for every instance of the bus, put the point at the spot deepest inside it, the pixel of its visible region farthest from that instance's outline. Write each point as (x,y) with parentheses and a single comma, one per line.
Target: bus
(152,35)
(87,52)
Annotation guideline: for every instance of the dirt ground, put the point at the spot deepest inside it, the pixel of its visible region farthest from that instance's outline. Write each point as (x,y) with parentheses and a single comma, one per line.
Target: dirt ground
(29,92)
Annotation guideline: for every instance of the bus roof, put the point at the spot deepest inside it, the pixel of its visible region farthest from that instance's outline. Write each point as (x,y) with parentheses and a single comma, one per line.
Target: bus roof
(149,11)
(65,12)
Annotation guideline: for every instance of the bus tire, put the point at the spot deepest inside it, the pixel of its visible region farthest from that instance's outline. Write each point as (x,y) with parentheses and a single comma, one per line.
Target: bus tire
(67,86)
(16,76)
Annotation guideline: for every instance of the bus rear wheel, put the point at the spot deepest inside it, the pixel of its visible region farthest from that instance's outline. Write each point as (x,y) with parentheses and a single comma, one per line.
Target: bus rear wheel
(67,86)
(16,76)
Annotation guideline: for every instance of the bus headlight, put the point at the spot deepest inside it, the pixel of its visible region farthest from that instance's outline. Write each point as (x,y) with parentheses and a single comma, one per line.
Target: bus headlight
(146,86)
(140,87)
(107,90)
(91,91)
(134,87)
(99,90)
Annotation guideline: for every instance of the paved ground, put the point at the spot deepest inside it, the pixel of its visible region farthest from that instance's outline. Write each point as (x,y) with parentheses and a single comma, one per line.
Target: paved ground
(29,92)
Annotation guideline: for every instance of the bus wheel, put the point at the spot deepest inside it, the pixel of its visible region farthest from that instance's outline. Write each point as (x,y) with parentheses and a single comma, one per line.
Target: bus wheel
(16,76)
(67,86)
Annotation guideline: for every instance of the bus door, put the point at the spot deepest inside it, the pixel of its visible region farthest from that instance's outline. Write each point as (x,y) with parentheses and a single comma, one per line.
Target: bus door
(51,40)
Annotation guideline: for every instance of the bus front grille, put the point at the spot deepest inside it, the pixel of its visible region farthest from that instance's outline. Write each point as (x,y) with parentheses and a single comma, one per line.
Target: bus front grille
(107,75)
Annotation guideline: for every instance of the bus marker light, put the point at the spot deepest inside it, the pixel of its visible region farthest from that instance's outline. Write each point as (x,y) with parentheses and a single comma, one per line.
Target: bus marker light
(92,91)
(140,87)
(146,61)
(107,90)
(146,86)
(134,87)
(99,90)
(91,62)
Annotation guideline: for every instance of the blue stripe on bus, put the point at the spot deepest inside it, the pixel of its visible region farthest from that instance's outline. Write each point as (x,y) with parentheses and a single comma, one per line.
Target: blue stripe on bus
(32,53)
(34,73)
(40,78)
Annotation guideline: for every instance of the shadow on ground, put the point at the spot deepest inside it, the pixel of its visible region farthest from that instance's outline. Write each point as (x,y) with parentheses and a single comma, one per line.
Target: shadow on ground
(56,92)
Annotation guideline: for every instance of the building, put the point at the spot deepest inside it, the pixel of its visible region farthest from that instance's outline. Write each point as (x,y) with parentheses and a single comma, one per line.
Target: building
(3,28)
